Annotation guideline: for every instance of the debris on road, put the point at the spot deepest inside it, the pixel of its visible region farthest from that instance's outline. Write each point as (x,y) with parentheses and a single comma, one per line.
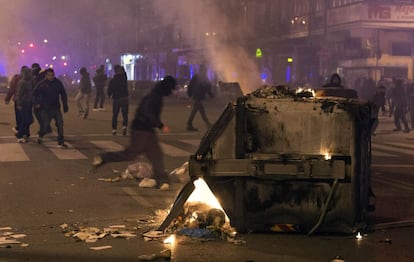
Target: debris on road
(139,170)
(154,235)
(8,237)
(93,234)
(180,174)
(163,255)
(100,248)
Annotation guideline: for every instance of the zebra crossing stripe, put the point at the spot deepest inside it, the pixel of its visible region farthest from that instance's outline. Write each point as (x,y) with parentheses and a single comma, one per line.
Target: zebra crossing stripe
(173,151)
(107,145)
(405,145)
(12,152)
(392,148)
(194,142)
(69,153)
(379,153)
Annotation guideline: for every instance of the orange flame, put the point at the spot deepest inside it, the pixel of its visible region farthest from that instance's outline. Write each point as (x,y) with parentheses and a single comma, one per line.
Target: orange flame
(203,194)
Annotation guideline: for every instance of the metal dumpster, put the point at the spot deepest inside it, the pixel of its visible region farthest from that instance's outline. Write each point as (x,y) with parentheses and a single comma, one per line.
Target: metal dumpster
(280,160)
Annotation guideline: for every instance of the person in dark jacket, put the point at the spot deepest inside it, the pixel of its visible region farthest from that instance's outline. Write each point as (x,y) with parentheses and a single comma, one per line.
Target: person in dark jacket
(84,93)
(100,81)
(400,101)
(24,97)
(48,95)
(118,90)
(334,81)
(38,75)
(198,88)
(143,136)
(11,95)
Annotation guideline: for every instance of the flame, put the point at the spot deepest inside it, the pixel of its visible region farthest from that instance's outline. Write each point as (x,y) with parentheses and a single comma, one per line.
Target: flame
(170,240)
(203,194)
(327,156)
(300,90)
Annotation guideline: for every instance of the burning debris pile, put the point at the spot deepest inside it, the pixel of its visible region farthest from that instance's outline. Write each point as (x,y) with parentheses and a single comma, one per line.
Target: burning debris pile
(199,220)
(8,238)
(202,217)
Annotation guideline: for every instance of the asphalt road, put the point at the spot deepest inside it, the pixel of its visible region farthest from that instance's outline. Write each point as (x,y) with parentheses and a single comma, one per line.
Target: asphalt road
(42,188)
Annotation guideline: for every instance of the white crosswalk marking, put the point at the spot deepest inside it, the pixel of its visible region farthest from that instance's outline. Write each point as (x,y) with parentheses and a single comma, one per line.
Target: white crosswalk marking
(173,151)
(392,148)
(11,152)
(393,144)
(107,145)
(69,153)
(379,153)
(111,146)
(194,142)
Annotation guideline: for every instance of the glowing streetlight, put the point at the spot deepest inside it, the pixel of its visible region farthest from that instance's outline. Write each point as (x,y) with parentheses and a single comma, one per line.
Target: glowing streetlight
(45,41)
(31,45)
(63,57)
(22,51)
(54,58)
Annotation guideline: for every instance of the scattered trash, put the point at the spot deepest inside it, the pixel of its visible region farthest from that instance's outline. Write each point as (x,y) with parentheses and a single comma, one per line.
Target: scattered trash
(100,248)
(93,234)
(154,235)
(180,174)
(9,238)
(138,170)
(387,241)
(201,221)
(147,183)
(17,236)
(117,226)
(165,255)
(338,259)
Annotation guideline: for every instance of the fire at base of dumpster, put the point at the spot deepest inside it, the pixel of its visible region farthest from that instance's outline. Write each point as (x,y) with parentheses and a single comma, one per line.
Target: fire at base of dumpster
(280,159)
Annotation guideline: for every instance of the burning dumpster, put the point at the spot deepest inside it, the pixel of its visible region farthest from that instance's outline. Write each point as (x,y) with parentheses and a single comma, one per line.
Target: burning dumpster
(278,160)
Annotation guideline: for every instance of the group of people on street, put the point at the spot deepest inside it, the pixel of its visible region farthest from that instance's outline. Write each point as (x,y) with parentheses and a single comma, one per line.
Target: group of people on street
(41,93)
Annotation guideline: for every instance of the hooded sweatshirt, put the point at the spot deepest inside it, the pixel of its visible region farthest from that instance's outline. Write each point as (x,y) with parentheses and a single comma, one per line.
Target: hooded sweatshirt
(118,86)
(24,93)
(147,116)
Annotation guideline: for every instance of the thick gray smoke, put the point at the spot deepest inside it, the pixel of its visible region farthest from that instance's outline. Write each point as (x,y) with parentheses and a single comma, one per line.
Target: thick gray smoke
(205,25)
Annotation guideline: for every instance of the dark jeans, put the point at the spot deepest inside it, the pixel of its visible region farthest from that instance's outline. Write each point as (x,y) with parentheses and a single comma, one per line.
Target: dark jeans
(198,106)
(46,116)
(146,143)
(38,116)
(17,115)
(99,98)
(25,120)
(399,114)
(120,104)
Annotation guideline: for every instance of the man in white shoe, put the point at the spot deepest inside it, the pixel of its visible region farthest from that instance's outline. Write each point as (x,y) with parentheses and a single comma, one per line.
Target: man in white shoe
(144,139)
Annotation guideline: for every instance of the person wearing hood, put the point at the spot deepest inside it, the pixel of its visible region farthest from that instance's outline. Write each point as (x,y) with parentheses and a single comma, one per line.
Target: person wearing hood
(198,88)
(12,94)
(335,81)
(84,93)
(23,100)
(144,139)
(37,76)
(118,90)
